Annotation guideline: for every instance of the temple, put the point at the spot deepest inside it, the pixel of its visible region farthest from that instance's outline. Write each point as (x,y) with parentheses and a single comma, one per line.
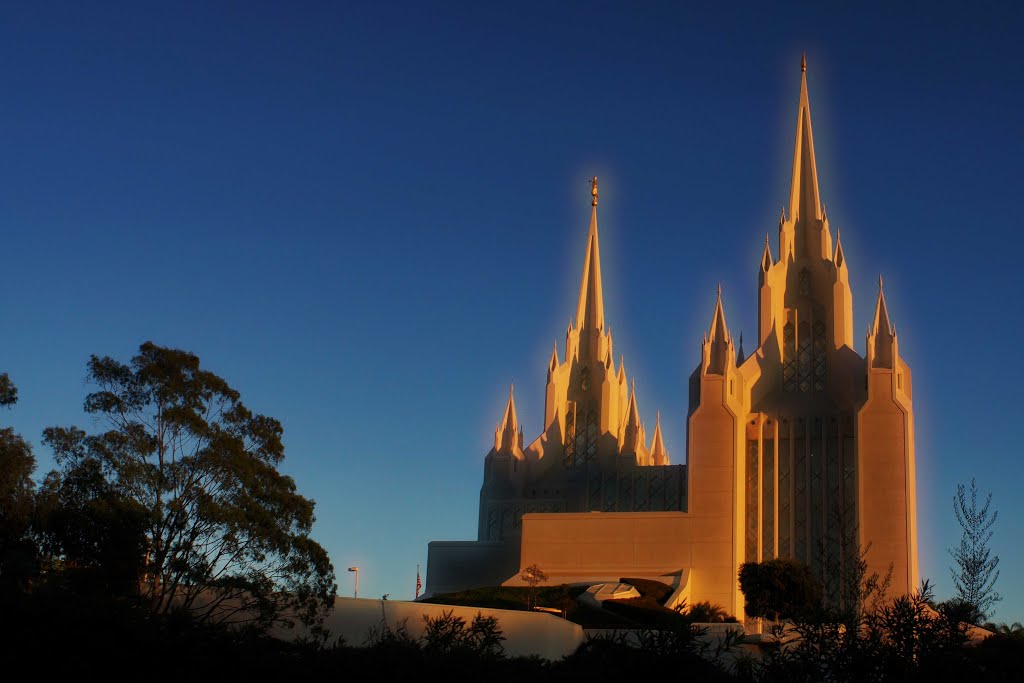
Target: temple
(802,448)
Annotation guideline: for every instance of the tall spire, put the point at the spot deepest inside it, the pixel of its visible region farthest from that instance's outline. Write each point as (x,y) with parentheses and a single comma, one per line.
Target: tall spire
(766,256)
(882,323)
(881,335)
(632,439)
(804,201)
(506,436)
(718,331)
(658,453)
(839,258)
(590,311)
(718,344)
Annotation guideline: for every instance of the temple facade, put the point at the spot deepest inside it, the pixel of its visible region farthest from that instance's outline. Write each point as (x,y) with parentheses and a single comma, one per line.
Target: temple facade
(802,448)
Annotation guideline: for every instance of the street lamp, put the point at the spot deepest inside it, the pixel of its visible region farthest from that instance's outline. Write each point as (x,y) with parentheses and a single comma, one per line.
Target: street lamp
(356,570)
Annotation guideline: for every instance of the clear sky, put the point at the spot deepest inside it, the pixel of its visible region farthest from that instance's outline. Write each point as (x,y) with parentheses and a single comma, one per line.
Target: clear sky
(370,219)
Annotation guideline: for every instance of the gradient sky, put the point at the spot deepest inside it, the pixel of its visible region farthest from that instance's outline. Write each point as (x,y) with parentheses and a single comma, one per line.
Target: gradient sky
(371,219)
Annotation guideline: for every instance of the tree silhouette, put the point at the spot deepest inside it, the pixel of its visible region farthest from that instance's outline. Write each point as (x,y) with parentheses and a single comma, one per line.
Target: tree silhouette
(226,535)
(976,572)
(533,576)
(18,553)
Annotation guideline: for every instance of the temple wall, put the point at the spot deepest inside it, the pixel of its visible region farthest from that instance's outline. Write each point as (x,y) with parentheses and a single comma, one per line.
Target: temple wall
(458,565)
(572,547)
(887,497)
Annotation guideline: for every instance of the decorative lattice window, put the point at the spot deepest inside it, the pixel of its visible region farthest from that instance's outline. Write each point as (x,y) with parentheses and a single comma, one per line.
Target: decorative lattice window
(788,356)
(591,452)
(820,346)
(570,436)
(580,439)
(804,357)
(752,521)
(805,282)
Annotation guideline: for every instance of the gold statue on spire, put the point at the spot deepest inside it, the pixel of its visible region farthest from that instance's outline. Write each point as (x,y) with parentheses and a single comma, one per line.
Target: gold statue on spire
(593,190)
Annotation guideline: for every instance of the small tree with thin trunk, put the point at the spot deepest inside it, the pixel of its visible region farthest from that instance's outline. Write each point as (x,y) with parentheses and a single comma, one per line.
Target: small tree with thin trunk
(533,576)
(976,572)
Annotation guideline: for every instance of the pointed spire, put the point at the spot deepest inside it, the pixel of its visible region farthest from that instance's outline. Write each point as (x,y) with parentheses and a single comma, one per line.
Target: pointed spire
(766,257)
(508,435)
(590,310)
(804,201)
(882,323)
(881,335)
(634,412)
(739,353)
(631,441)
(717,342)
(840,258)
(621,377)
(718,331)
(658,453)
(509,421)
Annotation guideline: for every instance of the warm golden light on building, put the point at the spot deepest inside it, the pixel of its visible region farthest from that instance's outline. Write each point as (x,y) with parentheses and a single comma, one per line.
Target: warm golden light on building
(802,448)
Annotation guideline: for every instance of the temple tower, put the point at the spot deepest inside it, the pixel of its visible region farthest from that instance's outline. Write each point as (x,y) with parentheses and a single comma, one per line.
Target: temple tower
(823,455)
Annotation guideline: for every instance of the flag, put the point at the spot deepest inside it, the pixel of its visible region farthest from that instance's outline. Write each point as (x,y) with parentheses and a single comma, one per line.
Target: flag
(419,584)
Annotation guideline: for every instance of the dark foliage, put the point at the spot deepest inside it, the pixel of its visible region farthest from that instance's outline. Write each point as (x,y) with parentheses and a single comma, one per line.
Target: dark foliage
(98,533)
(779,589)
(225,535)
(19,557)
(975,573)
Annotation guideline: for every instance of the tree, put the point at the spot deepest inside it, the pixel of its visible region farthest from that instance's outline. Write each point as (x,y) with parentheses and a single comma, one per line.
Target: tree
(18,554)
(782,588)
(97,531)
(976,570)
(8,392)
(226,535)
(533,576)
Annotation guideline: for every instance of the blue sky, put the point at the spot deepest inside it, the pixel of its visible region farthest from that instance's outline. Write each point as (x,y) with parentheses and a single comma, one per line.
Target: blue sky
(370,219)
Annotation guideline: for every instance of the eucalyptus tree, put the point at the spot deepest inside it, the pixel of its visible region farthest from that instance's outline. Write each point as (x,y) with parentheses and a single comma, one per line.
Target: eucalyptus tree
(17,549)
(226,536)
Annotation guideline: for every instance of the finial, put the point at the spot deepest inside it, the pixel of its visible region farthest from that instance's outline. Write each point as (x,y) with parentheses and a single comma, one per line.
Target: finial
(593,190)
(766,239)
(511,388)
(879,281)
(719,290)
(803,62)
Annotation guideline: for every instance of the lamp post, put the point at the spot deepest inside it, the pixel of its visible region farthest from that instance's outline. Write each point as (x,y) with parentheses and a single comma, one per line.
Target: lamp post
(356,570)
